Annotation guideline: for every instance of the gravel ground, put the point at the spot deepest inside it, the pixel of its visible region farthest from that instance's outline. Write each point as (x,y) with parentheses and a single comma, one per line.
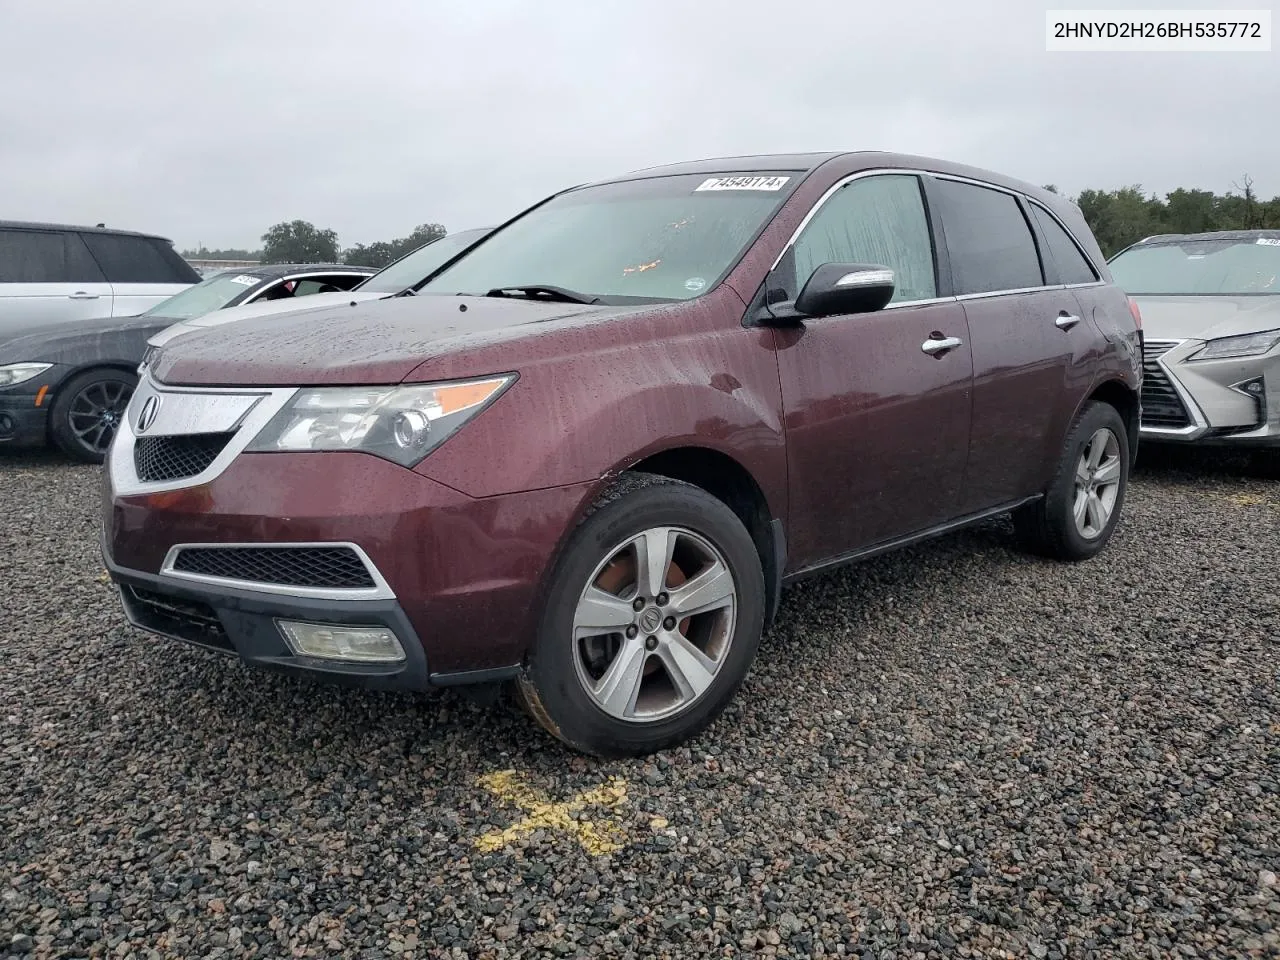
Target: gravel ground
(954,751)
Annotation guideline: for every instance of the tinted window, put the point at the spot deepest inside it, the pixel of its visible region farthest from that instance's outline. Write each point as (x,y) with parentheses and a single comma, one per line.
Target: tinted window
(138,259)
(988,239)
(1072,265)
(873,220)
(30,257)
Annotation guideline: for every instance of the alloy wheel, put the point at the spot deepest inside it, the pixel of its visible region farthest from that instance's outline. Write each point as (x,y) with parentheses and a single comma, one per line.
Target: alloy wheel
(96,412)
(654,624)
(1097,483)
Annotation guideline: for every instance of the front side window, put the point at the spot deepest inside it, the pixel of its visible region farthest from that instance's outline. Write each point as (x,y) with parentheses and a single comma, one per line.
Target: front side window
(1233,266)
(650,240)
(1071,264)
(212,293)
(31,256)
(877,220)
(988,239)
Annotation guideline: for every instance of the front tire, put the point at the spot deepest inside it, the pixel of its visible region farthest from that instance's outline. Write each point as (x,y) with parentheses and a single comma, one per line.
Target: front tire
(653,617)
(87,411)
(1079,511)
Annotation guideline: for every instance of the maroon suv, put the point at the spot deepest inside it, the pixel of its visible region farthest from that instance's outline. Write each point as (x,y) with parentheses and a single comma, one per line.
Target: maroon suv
(587,455)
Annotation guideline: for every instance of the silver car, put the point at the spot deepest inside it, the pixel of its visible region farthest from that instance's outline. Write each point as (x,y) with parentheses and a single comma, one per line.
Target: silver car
(1210,305)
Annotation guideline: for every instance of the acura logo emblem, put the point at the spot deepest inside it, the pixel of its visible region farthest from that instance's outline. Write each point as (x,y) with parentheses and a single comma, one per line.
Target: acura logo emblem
(148,414)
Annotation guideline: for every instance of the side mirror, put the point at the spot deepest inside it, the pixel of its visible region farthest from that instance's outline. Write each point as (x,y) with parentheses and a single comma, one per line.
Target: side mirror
(836,288)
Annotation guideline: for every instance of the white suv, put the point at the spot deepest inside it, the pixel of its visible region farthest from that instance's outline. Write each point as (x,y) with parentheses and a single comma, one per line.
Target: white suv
(51,273)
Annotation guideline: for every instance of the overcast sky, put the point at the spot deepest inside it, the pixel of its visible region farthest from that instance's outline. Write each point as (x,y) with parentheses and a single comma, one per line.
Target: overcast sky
(211,121)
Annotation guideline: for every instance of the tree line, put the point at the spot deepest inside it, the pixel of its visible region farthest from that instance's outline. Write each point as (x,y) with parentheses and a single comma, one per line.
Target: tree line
(1116,217)
(299,241)
(1121,217)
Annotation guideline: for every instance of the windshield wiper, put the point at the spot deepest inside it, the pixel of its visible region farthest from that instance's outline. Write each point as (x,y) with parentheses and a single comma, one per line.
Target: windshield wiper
(536,291)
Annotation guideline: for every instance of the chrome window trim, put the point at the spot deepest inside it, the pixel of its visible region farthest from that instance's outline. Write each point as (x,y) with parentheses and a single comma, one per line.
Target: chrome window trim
(905,171)
(120,463)
(381,590)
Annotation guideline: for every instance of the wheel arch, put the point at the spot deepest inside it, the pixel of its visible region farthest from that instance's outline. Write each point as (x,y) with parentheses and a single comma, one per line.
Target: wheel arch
(726,479)
(1126,401)
(56,393)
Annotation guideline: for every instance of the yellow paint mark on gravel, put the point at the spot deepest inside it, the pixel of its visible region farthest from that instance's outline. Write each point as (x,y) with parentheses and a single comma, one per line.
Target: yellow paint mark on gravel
(1248,499)
(597,837)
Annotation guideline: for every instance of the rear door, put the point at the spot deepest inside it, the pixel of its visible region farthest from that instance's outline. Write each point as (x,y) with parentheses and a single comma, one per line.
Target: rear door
(142,271)
(1029,344)
(47,276)
(877,428)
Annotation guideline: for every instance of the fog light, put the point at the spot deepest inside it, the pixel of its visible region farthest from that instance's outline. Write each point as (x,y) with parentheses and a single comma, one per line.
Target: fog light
(333,641)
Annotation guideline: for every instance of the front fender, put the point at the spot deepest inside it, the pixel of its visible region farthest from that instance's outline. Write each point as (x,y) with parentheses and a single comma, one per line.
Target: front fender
(571,423)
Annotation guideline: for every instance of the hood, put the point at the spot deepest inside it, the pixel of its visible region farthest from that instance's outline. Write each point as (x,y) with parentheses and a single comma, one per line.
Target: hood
(1206,317)
(217,318)
(67,341)
(374,342)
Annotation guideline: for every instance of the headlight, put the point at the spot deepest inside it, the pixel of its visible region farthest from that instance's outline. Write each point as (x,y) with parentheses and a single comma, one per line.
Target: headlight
(21,372)
(402,423)
(1249,345)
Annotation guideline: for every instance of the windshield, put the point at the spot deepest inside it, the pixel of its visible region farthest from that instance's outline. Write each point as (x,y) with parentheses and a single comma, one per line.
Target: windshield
(212,293)
(1230,267)
(662,238)
(413,268)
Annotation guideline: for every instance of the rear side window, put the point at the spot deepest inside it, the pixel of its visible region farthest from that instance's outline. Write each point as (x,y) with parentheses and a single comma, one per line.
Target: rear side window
(29,256)
(988,239)
(138,259)
(1071,264)
(873,220)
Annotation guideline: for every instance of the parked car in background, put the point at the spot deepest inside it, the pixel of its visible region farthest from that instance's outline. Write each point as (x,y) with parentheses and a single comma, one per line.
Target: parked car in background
(70,382)
(50,273)
(403,276)
(585,457)
(1211,315)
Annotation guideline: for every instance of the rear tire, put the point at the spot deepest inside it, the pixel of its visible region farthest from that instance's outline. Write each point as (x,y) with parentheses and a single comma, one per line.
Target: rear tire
(1081,507)
(613,680)
(87,411)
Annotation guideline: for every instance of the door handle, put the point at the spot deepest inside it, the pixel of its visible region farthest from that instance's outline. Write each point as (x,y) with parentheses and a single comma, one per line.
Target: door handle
(1066,321)
(81,295)
(934,346)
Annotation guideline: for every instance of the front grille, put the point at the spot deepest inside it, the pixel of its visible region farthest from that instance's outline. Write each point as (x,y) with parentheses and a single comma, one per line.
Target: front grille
(188,620)
(1161,405)
(175,458)
(326,567)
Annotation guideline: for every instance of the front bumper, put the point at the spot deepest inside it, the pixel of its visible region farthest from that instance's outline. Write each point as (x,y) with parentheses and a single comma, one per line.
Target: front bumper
(242,623)
(1220,402)
(22,423)
(458,579)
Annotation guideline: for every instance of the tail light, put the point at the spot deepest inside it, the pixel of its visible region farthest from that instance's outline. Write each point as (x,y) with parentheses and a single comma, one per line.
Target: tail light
(1137,314)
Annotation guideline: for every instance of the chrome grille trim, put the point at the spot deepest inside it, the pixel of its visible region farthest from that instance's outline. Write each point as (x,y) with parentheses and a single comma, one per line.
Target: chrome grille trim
(1159,383)
(381,590)
(190,411)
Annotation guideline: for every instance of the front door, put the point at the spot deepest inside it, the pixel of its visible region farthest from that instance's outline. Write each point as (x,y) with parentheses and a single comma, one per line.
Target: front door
(877,428)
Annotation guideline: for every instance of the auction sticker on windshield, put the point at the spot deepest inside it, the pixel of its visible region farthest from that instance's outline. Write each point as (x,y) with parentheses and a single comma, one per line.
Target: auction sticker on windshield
(245,279)
(1269,241)
(743,183)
